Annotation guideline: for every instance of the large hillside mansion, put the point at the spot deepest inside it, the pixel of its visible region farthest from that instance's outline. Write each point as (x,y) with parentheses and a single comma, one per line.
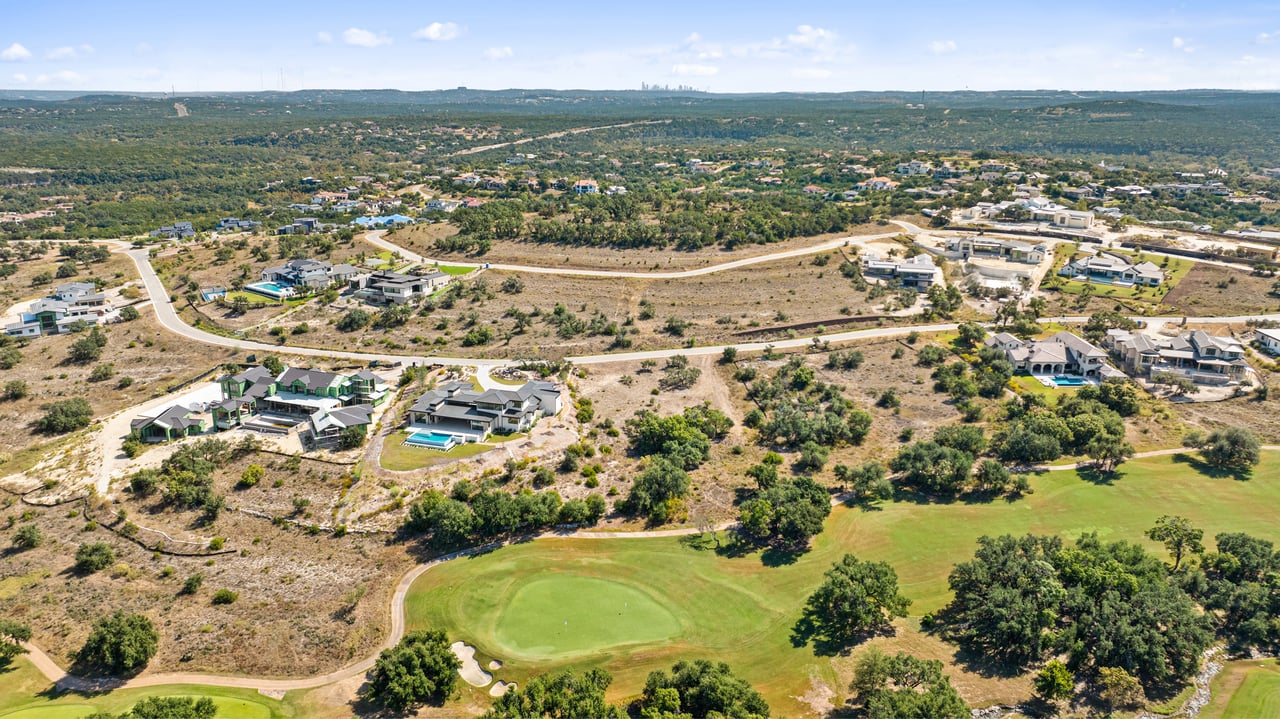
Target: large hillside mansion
(1061,354)
(918,273)
(1196,355)
(70,303)
(457,408)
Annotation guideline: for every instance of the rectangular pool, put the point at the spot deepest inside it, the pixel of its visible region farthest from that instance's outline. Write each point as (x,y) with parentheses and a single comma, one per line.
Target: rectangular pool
(1066,381)
(273,290)
(432,440)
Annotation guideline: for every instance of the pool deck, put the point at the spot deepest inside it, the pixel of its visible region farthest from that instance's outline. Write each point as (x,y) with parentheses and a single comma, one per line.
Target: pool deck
(1047,381)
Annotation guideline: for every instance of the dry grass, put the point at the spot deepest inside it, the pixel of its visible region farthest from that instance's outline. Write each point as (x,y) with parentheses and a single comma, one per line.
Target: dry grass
(719,307)
(1213,290)
(293,586)
(421,239)
(153,357)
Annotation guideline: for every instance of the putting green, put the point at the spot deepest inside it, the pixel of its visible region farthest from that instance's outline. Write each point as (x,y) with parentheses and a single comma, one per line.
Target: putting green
(560,616)
(66,711)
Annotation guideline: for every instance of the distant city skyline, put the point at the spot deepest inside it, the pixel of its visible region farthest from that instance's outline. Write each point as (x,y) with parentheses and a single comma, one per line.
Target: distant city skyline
(748,46)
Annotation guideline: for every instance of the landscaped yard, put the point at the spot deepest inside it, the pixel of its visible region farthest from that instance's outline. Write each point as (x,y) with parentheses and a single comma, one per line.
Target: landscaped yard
(1174,269)
(400,457)
(741,610)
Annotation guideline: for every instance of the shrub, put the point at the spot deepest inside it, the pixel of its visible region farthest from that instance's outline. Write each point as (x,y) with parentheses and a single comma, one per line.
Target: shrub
(120,644)
(225,596)
(65,415)
(28,536)
(14,389)
(193,584)
(94,557)
(102,372)
(251,476)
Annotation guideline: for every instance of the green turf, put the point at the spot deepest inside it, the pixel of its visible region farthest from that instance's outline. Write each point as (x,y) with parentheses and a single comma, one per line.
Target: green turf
(1258,696)
(24,695)
(741,610)
(400,457)
(565,615)
(455,269)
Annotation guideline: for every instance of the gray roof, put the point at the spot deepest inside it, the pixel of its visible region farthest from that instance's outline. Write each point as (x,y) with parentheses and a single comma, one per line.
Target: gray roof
(173,417)
(312,379)
(253,375)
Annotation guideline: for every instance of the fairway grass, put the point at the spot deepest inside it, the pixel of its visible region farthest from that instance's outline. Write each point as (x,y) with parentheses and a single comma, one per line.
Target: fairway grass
(24,694)
(566,615)
(1247,689)
(741,611)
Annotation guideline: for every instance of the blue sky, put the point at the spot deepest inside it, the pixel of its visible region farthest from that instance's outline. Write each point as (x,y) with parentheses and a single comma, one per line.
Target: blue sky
(739,46)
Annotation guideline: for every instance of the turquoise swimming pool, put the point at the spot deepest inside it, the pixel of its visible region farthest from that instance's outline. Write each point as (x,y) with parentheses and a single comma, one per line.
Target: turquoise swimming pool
(432,440)
(274,290)
(1063,380)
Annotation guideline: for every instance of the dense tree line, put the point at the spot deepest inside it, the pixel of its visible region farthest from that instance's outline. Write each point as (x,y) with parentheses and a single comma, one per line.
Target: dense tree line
(470,516)
(1103,604)
(794,408)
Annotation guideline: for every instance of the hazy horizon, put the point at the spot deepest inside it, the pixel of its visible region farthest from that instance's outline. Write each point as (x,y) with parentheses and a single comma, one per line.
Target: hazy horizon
(746,47)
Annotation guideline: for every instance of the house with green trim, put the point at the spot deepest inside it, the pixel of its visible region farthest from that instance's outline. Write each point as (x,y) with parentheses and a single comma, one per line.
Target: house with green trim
(173,423)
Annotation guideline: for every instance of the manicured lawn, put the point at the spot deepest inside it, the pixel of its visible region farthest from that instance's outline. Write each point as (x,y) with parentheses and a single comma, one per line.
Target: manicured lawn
(23,696)
(1246,690)
(1030,385)
(1174,271)
(740,610)
(455,269)
(557,617)
(399,457)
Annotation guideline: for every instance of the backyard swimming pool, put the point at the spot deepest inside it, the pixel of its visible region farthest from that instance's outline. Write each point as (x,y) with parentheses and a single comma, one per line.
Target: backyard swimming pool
(432,440)
(274,290)
(1063,380)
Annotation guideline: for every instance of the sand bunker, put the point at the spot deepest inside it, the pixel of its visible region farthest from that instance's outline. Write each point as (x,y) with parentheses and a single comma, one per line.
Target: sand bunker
(500,688)
(495,665)
(470,671)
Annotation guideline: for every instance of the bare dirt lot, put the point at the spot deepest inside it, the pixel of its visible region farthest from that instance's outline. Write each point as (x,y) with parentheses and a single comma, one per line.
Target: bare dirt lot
(421,239)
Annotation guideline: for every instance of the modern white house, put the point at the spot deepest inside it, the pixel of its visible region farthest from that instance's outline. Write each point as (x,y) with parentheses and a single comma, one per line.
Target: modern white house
(989,247)
(385,287)
(311,275)
(70,303)
(457,409)
(1268,339)
(1114,269)
(1072,219)
(918,273)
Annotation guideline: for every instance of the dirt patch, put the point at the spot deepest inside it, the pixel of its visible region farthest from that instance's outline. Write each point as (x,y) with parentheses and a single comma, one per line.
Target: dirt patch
(1213,290)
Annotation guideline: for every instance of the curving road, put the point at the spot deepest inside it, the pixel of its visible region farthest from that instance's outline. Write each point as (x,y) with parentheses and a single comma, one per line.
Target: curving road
(376,238)
(552,136)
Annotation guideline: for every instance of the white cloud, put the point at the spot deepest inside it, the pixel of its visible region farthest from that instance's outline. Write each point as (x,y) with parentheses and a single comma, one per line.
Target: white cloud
(19,77)
(67,52)
(499,53)
(811,73)
(15,52)
(1179,43)
(324,38)
(810,36)
(694,69)
(1265,38)
(438,32)
(941,47)
(693,39)
(364,38)
(62,77)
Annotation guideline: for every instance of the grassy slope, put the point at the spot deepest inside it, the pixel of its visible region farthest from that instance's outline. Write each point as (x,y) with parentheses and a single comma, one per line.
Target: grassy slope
(25,696)
(741,611)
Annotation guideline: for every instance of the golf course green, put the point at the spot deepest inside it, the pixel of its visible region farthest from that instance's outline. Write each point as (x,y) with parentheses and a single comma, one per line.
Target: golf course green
(561,616)
(511,603)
